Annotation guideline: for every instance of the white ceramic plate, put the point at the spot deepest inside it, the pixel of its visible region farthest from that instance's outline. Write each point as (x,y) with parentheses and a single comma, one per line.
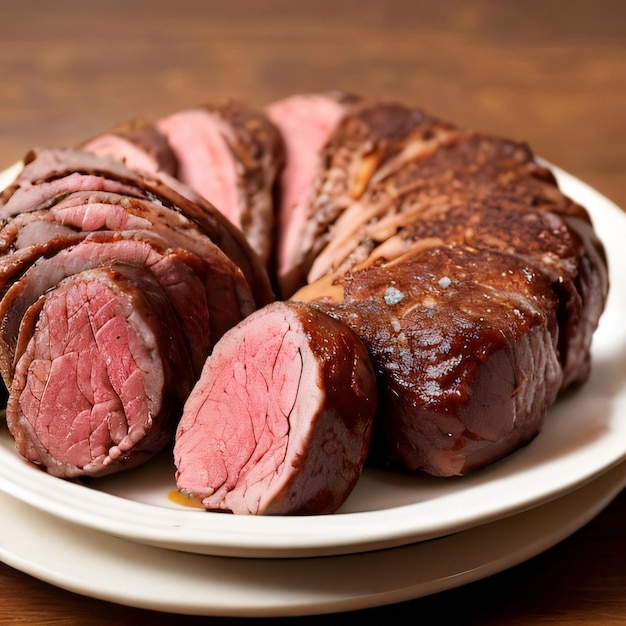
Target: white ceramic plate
(585,434)
(104,567)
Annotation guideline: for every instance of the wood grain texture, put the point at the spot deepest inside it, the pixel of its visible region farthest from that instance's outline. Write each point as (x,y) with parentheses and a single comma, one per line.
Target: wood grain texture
(552,73)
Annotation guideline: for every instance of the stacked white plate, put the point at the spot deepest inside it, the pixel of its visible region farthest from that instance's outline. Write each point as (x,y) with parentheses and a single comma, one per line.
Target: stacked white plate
(123,539)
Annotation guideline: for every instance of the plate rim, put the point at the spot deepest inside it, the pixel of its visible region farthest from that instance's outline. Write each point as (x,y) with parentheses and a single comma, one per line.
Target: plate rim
(526,535)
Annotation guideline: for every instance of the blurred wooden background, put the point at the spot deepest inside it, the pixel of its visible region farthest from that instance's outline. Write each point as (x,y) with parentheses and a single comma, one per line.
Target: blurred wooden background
(552,72)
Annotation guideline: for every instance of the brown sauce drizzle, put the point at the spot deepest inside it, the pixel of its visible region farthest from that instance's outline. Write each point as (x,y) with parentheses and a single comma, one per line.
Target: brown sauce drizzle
(181,499)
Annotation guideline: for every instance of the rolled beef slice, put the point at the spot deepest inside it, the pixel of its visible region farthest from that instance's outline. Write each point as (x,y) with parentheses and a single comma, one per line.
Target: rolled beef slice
(103,374)
(280,420)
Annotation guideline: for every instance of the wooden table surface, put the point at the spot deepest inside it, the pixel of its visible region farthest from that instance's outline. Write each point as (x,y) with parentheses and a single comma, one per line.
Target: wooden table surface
(552,73)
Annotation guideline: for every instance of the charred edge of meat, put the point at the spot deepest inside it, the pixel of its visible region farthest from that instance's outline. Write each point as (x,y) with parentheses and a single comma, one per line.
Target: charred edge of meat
(465,346)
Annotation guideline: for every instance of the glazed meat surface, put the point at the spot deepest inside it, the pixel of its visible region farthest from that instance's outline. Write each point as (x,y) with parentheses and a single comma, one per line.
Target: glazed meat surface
(464,345)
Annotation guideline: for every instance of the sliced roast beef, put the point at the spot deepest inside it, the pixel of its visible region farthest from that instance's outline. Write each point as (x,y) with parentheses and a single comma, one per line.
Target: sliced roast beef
(231,155)
(306,122)
(447,257)
(103,373)
(280,420)
(50,174)
(229,295)
(181,274)
(138,144)
(465,345)
(69,217)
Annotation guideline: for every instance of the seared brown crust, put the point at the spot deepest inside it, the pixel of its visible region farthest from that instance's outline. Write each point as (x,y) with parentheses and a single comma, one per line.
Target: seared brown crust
(465,346)
(385,185)
(432,185)
(402,196)
(367,137)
